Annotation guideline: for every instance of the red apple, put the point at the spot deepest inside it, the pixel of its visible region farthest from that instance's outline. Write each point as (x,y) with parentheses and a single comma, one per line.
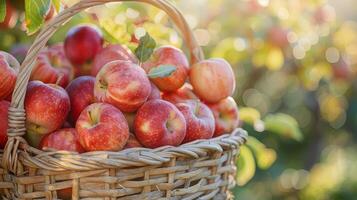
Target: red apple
(212,79)
(181,95)
(278,36)
(155,92)
(102,127)
(81,45)
(159,123)
(47,107)
(52,66)
(81,94)
(111,53)
(199,120)
(122,84)
(132,142)
(63,139)
(8,74)
(226,116)
(4,107)
(168,55)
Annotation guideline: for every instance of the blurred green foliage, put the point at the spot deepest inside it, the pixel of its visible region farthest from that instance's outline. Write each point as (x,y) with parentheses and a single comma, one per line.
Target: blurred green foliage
(295,65)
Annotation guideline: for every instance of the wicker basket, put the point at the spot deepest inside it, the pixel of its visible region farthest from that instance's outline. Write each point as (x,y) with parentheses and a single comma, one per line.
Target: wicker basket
(202,169)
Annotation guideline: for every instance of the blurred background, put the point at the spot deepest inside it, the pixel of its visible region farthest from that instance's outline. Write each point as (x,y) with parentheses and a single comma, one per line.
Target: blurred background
(295,65)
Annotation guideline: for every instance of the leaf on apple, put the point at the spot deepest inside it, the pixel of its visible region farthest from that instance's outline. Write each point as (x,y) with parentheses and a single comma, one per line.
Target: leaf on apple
(146,47)
(2,10)
(35,12)
(284,125)
(246,166)
(161,71)
(265,156)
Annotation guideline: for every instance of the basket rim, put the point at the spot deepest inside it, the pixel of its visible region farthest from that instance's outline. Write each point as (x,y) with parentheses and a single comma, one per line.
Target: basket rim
(54,160)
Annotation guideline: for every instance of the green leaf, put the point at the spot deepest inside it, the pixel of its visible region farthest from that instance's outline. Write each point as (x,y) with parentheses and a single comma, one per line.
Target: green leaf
(284,125)
(249,115)
(146,47)
(2,10)
(265,156)
(161,71)
(245,166)
(57,4)
(35,12)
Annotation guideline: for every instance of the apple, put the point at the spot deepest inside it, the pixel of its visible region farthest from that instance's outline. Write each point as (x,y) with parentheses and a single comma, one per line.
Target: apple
(8,74)
(111,53)
(81,45)
(52,66)
(123,84)
(278,36)
(81,94)
(199,120)
(47,107)
(10,18)
(102,127)
(132,142)
(63,139)
(181,95)
(212,80)
(159,123)
(155,92)
(169,55)
(4,107)
(226,116)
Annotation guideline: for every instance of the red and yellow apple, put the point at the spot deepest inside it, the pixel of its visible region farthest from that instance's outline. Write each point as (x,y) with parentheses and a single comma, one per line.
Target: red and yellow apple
(199,120)
(212,80)
(123,84)
(4,108)
(169,55)
(81,94)
(111,53)
(181,95)
(62,139)
(52,66)
(8,74)
(159,123)
(47,107)
(81,45)
(226,116)
(102,127)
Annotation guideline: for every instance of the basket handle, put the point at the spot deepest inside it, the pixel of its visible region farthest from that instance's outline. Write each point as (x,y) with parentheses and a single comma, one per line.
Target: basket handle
(17,115)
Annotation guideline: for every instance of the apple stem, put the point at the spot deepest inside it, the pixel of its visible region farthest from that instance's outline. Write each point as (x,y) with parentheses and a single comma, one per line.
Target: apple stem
(61,75)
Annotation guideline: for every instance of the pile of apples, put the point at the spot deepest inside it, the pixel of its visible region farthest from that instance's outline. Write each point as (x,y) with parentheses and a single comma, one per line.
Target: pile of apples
(86,95)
